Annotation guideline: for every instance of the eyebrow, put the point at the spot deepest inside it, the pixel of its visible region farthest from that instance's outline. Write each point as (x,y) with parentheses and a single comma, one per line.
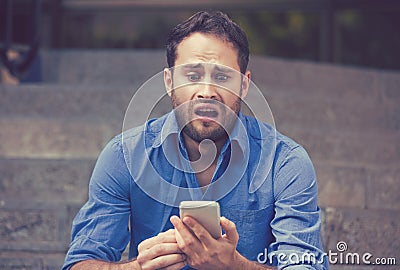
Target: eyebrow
(223,69)
(219,68)
(193,66)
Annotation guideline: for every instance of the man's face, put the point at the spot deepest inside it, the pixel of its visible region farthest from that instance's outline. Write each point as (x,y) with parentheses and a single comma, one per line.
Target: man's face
(206,87)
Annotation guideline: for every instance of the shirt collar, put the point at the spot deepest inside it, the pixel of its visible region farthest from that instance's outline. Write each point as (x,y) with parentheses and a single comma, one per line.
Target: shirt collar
(170,126)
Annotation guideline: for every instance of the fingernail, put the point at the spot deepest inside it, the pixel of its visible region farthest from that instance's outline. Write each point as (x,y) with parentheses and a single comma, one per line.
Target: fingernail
(172,219)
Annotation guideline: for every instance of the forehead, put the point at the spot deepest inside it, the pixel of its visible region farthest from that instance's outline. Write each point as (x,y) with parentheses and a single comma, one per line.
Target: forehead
(207,48)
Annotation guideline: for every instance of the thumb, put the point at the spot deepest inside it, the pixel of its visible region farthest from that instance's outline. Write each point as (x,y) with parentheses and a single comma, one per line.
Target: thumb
(230,230)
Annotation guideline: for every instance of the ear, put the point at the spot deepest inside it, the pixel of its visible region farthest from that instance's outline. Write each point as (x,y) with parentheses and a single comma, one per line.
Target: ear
(168,80)
(246,79)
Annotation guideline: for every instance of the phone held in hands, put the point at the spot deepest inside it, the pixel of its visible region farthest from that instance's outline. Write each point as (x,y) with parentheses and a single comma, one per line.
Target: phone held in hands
(207,213)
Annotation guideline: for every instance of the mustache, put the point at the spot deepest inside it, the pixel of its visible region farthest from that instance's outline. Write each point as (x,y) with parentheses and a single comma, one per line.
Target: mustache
(205,101)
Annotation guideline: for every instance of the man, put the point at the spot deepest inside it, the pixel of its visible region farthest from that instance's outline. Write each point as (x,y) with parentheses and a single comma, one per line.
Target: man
(136,181)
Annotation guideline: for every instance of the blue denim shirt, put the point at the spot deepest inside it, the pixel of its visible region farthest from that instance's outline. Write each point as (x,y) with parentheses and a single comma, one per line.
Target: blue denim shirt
(264,182)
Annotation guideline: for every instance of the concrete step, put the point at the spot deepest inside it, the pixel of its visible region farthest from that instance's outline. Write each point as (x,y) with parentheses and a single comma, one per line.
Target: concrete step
(27,260)
(39,228)
(100,67)
(43,229)
(53,138)
(45,181)
(65,181)
(55,121)
(38,200)
(99,102)
(324,80)
(348,147)
(71,139)
(363,230)
(127,67)
(331,114)
(66,101)
(358,186)
(329,97)
(110,103)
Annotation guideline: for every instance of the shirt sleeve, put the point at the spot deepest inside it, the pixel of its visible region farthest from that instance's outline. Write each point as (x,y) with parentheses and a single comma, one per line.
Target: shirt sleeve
(297,221)
(100,229)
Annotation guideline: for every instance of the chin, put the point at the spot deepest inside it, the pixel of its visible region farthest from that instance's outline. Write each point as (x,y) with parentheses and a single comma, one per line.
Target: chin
(200,133)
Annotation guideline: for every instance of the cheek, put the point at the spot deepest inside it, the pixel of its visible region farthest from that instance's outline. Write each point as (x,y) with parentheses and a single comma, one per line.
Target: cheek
(183,95)
(230,99)
(181,103)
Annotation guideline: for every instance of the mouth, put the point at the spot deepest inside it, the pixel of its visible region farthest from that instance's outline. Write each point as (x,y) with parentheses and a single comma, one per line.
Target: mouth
(206,111)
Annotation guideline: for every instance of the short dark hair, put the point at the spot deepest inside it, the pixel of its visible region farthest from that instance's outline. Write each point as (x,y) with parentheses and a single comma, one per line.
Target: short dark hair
(213,23)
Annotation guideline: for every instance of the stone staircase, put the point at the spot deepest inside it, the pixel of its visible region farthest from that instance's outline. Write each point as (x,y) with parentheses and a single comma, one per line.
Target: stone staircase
(52,132)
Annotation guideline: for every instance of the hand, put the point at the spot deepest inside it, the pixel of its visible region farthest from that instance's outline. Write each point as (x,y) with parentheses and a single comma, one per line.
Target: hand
(201,249)
(160,252)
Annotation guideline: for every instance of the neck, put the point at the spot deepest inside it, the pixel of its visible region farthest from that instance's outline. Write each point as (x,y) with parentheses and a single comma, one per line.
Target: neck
(203,158)
(206,148)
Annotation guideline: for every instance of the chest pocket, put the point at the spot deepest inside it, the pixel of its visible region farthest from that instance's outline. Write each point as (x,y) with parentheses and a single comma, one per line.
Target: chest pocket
(254,229)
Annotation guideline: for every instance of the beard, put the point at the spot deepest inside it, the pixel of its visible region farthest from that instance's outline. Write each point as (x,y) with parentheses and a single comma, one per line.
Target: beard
(198,130)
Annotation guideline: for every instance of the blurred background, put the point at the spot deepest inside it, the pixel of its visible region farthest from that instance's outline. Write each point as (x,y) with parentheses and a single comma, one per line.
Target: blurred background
(351,32)
(328,68)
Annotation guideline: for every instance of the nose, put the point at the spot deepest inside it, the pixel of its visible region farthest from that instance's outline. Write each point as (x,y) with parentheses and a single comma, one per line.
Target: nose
(206,90)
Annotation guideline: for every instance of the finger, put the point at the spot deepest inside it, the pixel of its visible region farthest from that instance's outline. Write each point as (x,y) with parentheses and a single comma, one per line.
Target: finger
(176,266)
(179,239)
(164,261)
(163,237)
(159,250)
(187,242)
(230,230)
(179,226)
(199,231)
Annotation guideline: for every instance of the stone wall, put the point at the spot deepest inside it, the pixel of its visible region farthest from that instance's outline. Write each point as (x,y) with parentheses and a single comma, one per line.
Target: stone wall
(51,133)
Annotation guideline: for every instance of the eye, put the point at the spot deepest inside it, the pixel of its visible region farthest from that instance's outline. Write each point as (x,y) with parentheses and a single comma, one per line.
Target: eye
(220,77)
(193,77)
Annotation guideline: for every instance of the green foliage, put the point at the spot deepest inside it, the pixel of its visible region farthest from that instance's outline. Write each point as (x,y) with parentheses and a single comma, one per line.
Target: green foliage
(366,39)
(369,39)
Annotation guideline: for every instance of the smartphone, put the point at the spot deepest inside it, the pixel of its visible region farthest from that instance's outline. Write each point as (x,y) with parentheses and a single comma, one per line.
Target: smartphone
(207,213)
